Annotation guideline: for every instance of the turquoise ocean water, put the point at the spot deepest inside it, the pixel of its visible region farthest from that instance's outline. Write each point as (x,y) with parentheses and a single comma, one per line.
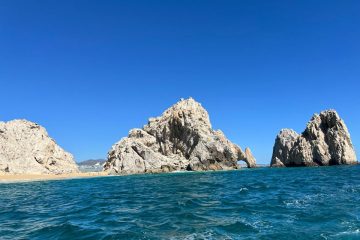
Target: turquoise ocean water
(264,203)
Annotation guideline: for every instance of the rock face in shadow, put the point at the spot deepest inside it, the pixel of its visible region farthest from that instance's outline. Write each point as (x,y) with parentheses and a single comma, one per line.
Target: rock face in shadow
(181,139)
(25,147)
(325,141)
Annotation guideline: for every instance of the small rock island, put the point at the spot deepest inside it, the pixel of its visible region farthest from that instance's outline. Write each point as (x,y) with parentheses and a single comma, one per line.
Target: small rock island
(325,141)
(182,139)
(26,148)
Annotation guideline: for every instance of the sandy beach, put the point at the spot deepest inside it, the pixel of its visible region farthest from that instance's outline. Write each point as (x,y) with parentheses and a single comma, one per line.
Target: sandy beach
(37,177)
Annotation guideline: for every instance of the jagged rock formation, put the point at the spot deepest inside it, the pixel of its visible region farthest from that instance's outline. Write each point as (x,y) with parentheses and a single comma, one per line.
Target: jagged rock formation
(25,147)
(325,141)
(181,139)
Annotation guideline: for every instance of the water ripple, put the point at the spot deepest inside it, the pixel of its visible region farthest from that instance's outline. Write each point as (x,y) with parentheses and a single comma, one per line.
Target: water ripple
(298,203)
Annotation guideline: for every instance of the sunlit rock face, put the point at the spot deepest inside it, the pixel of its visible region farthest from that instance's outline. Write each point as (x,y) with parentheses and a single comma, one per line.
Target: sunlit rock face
(181,139)
(325,141)
(26,148)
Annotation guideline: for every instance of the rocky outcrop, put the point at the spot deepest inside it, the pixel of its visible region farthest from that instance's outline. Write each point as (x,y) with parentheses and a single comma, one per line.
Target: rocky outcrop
(25,147)
(325,141)
(181,139)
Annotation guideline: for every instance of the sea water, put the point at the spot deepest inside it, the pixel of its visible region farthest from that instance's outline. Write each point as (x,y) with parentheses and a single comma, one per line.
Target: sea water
(264,203)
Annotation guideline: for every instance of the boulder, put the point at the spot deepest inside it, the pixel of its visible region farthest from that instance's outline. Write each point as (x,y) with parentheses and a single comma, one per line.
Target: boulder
(179,140)
(325,141)
(26,148)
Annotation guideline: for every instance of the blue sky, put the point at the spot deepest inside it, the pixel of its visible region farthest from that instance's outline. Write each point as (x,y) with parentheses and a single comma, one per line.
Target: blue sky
(89,71)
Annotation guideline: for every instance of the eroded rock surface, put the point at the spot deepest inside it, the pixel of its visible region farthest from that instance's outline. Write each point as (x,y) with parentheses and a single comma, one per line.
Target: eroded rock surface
(325,141)
(181,139)
(25,147)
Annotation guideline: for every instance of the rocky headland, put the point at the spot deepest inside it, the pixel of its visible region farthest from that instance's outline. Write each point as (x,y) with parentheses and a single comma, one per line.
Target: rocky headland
(182,139)
(325,141)
(26,148)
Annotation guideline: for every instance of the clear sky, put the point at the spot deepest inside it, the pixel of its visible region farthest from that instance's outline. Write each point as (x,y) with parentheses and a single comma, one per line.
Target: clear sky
(89,71)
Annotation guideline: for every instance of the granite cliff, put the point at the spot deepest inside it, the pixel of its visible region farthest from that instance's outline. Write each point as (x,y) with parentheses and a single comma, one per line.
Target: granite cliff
(181,139)
(26,148)
(325,141)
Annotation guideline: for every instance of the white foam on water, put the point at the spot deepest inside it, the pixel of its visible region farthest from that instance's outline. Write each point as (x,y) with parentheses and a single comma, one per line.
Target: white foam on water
(347,233)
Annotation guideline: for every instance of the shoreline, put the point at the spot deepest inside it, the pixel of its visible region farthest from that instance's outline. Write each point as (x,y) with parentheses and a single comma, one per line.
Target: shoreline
(13,178)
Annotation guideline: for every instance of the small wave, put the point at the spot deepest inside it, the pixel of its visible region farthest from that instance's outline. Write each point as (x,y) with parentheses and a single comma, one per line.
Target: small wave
(193,236)
(351,188)
(179,171)
(295,203)
(239,226)
(347,233)
(244,189)
(206,235)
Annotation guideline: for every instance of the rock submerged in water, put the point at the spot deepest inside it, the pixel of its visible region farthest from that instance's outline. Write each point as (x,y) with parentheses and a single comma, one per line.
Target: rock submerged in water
(181,139)
(26,148)
(325,141)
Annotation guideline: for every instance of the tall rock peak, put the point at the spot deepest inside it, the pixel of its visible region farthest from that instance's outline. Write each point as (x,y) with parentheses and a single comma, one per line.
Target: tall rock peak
(180,139)
(325,141)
